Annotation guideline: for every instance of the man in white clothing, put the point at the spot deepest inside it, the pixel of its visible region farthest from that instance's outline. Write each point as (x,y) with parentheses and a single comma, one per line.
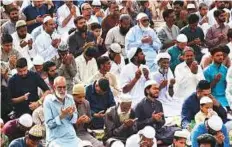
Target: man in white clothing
(132,78)
(22,42)
(86,65)
(86,11)
(65,16)
(47,42)
(229,86)
(188,74)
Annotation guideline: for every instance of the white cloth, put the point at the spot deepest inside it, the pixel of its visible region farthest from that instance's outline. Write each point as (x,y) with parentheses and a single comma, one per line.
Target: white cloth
(229,86)
(93,19)
(25,51)
(186,81)
(114,36)
(84,70)
(62,13)
(134,141)
(230,47)
(126,76)
(43,46)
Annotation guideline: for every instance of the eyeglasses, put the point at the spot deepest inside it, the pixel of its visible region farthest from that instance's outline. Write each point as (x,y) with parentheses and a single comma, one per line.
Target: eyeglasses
(145,20)
(61,87)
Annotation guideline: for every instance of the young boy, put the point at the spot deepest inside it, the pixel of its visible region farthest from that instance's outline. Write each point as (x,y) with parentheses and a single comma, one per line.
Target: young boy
(206,106)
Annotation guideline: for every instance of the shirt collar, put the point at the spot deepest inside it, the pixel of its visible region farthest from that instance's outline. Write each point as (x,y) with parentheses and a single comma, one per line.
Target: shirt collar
(218,26)
(54,98)
(93,87)
(32,4)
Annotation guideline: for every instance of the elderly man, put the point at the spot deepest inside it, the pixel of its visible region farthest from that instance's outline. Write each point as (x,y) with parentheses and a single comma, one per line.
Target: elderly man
(149,111)
(60,114)
(118,33)
(132,78)
(66,15)
(176,51)
(180,138)
(47,42)
(84,112)
(23,89)
(66,65)
(100,99)
(213,126)
(120,122)
(188,74)
(22,41)
(144,37)
(169,32)
(86,11)
(31,139)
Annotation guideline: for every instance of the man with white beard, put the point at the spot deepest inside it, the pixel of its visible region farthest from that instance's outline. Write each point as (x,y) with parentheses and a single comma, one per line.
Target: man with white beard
(60,114)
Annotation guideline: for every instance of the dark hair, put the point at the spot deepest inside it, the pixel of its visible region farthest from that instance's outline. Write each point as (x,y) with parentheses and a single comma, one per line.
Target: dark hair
(193,18)
(21,63)
(91,51)
(102,60)
(181,3)
(203,85)
(137,52)
(229,34)
(177,138)
(148,87)
(124,17)
(6,38)
(216,49)
(94,26)
(201,5)
(112,3)
(78,18)
(13,9)
(167,12)
(34,138)
(218,12)
(104,84)
(226,49)
(112,55)
(47,65)
(206,138)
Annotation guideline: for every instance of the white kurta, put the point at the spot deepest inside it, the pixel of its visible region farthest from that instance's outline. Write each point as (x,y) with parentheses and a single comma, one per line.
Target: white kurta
(186,81)
(126,76)
(230,47)
(171,106)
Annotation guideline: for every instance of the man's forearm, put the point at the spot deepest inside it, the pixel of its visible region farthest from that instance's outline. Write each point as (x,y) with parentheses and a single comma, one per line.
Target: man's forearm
(18,99)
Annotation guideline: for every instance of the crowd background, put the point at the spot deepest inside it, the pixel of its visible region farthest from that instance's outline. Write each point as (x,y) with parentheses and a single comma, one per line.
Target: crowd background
(116,73)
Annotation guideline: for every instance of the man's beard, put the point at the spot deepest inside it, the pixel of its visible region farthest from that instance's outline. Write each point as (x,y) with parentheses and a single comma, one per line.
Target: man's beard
(22,36)
(61,96)
(143,62)
(15,19)
(83,29)
(153,96)
(123,31)
(52,78)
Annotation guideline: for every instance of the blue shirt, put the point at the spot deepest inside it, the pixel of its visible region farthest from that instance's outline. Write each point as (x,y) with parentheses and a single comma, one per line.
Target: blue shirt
(19,86)
(58,130)
(20,142)
(175,52)
(98,103)
(201,129)
(218,91)
(32,12)
(190,108)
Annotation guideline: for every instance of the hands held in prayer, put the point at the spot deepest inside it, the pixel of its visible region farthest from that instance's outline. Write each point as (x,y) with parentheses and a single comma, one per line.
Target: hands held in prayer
(129,122)
(138,74)
(181,58)
(23,43)
(34,105)
(205,19)
(219,137)
(67,111)
(147,39)
(26,96)
(67,60)
(194,67)
(217,77)
(12,60)
(73,10)
(99,40)
(163,84)
(197,41)
(221,37)
(172,82)
(146,73)
(100,114)
(100,14)
(39,19)
(157,116)
(83,119)
(56,42)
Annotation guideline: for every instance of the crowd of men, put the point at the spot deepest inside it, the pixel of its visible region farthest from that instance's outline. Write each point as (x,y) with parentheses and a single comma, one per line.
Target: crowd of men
(121,73)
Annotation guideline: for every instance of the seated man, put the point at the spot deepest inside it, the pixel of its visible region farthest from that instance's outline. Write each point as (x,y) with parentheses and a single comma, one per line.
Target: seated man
(120,121)
(149,111)
(191,105)
(100,99)
(213,126)
(32,138)
(84,113)
(17,127)
(180,138)
(206,140)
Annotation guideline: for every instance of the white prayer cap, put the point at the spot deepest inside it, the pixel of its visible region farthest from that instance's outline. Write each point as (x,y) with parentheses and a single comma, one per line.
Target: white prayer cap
(141,15)
(125,98)
(131,52)
(7,2)
(191,6)
(182,38)
(164,55)
(215,123)
(84,4)
(133,141)
(26,120)
(150,82)
(86,143)
(205,100)
(182,134)
(148,132)
(96,3)
(47,18)
(117,143)
(116,48)
(1,121)
(38,60)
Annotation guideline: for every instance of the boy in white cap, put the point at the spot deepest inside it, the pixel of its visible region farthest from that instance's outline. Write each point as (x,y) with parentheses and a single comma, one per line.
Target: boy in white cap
(213,126)
(206,106)
(176,51)
(180,138)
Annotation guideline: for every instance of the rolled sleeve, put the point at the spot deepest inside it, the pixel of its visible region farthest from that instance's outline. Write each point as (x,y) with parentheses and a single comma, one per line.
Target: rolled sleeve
(57,120)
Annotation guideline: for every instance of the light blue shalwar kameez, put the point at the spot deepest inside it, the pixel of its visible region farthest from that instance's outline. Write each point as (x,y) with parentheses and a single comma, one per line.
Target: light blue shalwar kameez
(59,133)
(133,39)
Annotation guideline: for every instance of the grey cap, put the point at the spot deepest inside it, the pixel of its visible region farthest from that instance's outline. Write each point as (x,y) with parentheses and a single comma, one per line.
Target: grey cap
(63,47)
